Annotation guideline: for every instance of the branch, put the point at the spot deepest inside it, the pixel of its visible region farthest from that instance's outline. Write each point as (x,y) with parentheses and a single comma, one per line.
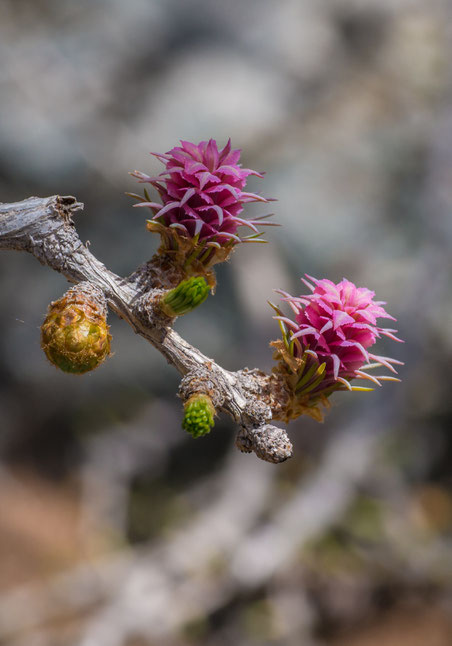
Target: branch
(105,591)
(44,228)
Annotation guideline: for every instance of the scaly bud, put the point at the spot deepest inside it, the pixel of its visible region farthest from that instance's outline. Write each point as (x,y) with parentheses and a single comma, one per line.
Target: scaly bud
(185,297)
(74,335)
(198,415)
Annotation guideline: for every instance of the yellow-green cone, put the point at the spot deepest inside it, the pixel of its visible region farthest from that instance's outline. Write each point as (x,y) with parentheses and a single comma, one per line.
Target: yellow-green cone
(185,297)
(74,335)
(198,415)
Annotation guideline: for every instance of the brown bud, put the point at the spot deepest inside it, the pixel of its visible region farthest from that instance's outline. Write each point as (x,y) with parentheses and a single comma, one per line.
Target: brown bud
(74,335)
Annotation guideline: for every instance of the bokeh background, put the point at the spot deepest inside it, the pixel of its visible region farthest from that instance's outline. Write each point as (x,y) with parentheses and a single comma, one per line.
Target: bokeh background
(118,529)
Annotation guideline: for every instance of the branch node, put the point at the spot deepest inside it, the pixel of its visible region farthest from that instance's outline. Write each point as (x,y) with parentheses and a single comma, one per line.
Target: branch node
(149,313)
(268,442)
(198,382)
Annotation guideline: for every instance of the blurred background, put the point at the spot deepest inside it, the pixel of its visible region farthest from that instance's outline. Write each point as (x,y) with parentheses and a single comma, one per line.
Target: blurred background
(116,527)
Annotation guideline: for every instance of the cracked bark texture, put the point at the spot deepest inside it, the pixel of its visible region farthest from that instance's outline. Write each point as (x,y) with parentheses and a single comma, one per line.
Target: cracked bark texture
(44,227)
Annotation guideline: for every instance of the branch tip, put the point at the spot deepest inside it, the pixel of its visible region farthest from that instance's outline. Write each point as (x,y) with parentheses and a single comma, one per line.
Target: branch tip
(268,442)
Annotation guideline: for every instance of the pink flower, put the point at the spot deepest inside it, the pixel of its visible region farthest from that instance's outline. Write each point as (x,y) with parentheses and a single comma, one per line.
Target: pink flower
(202,193)
(334,329)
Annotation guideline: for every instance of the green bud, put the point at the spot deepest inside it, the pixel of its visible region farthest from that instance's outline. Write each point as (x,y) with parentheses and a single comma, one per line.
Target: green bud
(198,415)
(74,335)
(185,297)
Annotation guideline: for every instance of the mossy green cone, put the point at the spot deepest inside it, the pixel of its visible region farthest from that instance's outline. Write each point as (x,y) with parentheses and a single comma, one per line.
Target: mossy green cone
(186,296)
(74,335)
(198,415)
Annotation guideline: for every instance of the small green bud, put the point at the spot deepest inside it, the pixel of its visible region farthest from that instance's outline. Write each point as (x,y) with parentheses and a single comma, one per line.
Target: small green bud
(74,335)
(185,297)
(198,415)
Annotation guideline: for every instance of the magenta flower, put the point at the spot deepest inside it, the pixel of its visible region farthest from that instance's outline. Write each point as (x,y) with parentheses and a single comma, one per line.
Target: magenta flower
(332,334)
(202,193)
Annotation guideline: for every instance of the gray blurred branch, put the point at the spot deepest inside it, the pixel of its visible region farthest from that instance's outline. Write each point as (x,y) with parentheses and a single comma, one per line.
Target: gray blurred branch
(44,228)
(157,590)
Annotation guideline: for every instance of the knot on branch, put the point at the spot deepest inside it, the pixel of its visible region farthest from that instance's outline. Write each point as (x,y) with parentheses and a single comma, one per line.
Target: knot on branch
(158,273)
(149,313)
(198,382)
(268,442)
(270,389)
